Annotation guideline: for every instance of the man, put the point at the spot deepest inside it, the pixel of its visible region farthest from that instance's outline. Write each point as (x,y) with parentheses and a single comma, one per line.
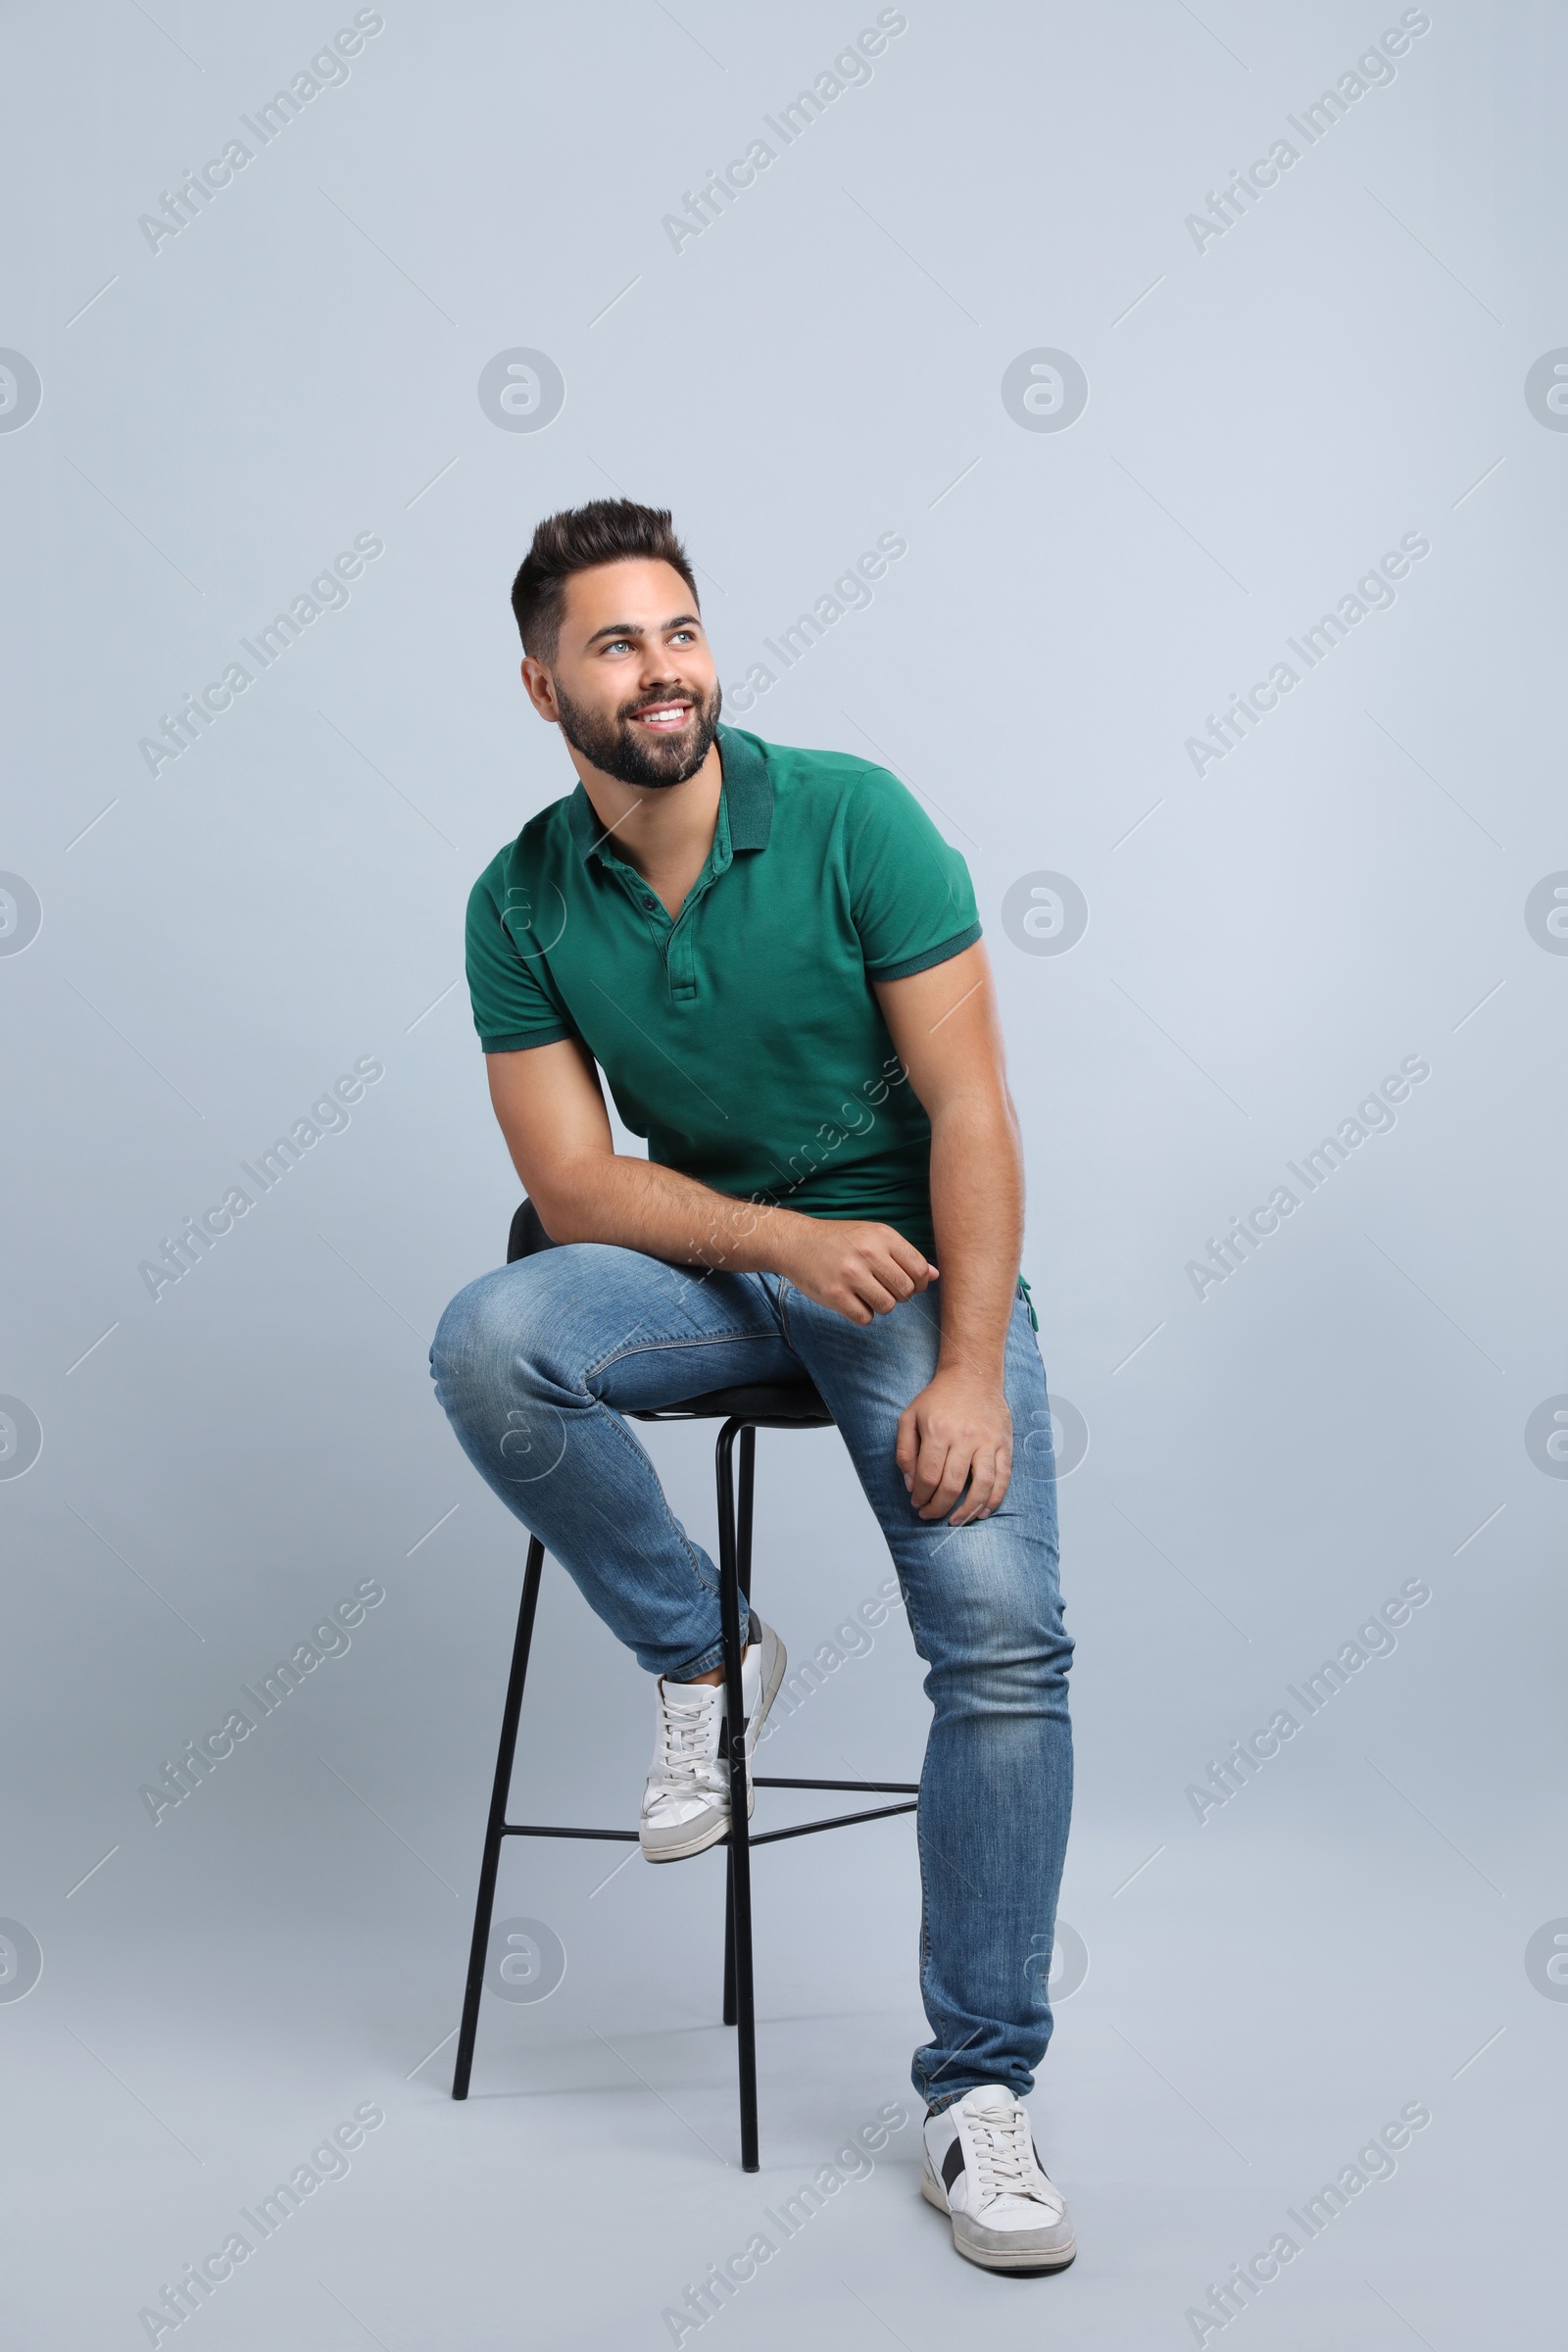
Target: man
(773,958)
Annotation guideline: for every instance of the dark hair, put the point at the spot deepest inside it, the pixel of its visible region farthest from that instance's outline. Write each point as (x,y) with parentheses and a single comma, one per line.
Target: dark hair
(608,530)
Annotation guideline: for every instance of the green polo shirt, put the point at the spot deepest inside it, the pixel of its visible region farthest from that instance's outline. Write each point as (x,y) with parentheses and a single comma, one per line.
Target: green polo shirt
(741,1037)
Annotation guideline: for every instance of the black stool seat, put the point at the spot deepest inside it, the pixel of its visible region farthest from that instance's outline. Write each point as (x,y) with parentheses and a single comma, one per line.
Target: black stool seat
(762,1404)
(744,1409)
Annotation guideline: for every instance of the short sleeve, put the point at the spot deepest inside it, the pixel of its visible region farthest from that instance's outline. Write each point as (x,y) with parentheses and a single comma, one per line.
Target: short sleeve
(910,895)
(515,1003)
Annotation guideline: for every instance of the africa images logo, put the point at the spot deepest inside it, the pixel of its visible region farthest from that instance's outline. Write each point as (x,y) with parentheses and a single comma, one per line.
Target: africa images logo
(21,914)
(1045,390)
(521,390)
(21,391)
(1044,913)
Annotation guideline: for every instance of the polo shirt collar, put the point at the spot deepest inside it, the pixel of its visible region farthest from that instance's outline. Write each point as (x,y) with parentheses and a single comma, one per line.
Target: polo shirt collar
(747,790)
(583,818)
(747,802)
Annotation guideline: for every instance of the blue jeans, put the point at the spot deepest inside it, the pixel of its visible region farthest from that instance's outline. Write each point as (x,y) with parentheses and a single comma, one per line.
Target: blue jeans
(535,1364)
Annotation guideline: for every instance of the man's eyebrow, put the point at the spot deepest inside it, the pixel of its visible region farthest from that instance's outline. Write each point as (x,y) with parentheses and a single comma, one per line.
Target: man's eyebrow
(628,629)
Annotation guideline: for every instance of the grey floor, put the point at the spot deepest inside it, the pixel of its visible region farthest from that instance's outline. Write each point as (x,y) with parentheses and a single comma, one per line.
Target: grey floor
(1263,1993)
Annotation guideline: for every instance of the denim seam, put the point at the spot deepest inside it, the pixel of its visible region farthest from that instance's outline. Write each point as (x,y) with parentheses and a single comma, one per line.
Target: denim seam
(620,1355)
(616,1422)
(926,1914)
(714,1653)
(948,2099)
(713,1656)
(619,1426)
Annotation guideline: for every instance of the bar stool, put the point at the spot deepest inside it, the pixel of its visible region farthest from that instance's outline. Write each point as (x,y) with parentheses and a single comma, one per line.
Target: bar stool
(743,1410)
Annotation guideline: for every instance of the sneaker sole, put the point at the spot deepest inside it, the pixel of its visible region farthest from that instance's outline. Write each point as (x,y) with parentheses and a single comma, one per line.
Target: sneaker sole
(1056,2260)
(718,1829)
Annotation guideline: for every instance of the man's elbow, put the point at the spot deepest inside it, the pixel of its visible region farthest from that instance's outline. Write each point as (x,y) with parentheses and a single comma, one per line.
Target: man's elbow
(560,1213)
(568,1200)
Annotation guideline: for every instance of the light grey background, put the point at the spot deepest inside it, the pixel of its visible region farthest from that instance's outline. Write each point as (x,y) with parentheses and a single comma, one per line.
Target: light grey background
(1266,415)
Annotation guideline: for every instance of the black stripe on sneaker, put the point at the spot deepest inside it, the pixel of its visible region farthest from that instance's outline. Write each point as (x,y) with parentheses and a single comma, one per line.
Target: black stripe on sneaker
(953,2162)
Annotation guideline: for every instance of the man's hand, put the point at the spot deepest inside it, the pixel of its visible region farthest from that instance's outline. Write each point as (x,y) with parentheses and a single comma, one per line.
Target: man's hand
(858,1269)
(958,1432)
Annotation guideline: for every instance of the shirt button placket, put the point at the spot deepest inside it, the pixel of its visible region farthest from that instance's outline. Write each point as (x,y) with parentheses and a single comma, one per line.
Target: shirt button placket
(682,973)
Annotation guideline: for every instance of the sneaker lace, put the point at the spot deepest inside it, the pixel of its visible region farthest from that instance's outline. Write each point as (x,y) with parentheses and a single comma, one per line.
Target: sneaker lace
(1004,2157)
(681,1761)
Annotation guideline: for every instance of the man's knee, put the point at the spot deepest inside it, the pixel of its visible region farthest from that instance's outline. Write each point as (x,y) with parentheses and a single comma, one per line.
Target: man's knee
(501,1319)
(1015,1653)
(997,1640)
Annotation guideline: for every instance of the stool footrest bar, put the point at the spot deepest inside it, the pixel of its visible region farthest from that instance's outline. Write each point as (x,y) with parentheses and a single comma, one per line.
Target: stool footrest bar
(839,1821)
(873,1788)
(533,1829)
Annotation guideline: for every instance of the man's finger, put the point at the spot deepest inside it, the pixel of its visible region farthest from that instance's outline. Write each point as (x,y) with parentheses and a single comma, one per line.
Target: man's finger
(858,1297)
(906,1451)
(954,1474)
(928,1469)
(871,1293)
(914,1262)
(976,1503)
(1003,1480)
(946,1490)
(895,1277)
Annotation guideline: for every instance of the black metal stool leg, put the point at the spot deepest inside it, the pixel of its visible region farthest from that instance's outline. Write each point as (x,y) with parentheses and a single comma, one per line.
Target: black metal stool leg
(746,1485)
(729,1598)
(495,1832)
(729,1937)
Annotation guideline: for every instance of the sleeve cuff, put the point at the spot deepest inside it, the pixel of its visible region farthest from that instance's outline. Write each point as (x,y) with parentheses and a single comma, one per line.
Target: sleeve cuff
(521,1045)
(924,963)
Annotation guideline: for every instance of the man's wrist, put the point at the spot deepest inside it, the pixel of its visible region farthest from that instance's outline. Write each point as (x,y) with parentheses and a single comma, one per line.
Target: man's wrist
(754,1237)
(777,1240)
(985,1361)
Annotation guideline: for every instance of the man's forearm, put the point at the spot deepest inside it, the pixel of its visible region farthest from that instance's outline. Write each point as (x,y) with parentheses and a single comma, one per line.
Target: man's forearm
(977,1208)
(637,1205)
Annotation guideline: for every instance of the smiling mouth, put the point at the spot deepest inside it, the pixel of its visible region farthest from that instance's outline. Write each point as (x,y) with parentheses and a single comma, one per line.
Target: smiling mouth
(664,718)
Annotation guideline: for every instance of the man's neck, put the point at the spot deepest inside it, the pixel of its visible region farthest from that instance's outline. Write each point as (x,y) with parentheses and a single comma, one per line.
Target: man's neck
(664,831)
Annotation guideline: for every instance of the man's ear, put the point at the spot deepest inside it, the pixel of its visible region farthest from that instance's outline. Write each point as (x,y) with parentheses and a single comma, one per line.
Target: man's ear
(536,684)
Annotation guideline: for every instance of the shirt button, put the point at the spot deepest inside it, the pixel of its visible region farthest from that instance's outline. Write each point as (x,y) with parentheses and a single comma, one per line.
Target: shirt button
(649,903)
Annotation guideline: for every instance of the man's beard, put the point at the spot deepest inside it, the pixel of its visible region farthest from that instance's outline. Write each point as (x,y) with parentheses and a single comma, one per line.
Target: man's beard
(633,755)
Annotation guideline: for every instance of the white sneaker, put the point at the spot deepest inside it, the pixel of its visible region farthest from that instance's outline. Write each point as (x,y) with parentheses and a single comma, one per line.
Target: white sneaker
(983,2169)
(686,1799)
